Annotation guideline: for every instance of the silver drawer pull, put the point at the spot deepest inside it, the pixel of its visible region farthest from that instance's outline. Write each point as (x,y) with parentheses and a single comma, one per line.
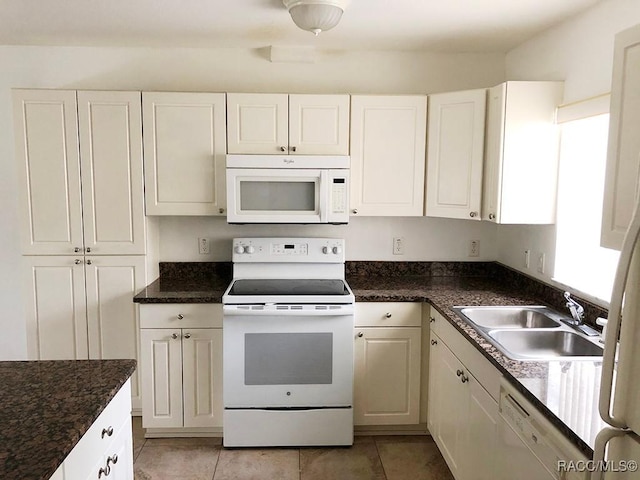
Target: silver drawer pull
(107,431)
(387,315)
(112,459)
(104,471)
(180,316)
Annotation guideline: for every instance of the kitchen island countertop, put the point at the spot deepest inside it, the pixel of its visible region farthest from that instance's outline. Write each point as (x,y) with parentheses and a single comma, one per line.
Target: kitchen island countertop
(47,406)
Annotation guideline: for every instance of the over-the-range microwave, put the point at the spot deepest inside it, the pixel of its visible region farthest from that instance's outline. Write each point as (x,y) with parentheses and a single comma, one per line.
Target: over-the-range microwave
(287,189)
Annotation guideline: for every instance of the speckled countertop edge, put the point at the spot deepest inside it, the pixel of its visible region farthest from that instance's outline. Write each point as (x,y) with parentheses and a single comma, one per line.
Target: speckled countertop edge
(47,406)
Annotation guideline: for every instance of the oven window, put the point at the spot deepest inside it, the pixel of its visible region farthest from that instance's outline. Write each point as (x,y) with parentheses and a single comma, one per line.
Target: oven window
(278,196)
(288,358)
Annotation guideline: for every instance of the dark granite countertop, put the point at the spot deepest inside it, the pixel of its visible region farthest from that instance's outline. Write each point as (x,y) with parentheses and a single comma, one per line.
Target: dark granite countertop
(553,387)
(47,406)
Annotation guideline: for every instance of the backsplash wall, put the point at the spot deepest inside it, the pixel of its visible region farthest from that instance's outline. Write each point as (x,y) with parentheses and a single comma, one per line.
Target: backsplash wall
(367,238)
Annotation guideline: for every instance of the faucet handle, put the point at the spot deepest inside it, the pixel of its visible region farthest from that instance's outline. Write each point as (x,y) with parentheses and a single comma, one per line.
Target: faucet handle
(577,310)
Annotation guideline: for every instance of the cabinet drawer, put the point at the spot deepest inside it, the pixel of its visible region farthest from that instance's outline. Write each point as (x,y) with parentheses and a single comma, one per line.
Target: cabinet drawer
(478,365)
(89,450)
(388,314)
(181,315)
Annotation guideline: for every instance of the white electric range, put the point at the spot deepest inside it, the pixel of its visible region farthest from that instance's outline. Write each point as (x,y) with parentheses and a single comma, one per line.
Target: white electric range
(288,344)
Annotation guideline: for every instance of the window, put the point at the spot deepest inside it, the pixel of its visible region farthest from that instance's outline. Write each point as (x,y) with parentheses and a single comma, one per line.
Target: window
(580,260)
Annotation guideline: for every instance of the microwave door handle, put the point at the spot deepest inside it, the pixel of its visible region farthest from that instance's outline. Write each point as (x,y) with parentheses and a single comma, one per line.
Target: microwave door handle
(323,196)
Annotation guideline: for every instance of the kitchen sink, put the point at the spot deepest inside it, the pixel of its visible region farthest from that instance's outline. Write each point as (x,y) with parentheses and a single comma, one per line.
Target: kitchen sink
(545,344)
(510,317)
(534,333)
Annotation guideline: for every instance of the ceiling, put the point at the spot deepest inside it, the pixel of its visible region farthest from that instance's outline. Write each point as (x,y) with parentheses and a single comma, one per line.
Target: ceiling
(422,25)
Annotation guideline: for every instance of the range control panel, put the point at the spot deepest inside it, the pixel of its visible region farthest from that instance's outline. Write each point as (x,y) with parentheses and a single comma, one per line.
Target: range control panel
(288,250)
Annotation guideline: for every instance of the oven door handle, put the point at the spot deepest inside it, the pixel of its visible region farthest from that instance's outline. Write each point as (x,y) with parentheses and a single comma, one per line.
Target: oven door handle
(271,310)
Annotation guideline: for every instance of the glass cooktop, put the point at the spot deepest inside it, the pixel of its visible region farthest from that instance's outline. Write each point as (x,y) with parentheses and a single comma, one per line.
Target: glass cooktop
(288,287)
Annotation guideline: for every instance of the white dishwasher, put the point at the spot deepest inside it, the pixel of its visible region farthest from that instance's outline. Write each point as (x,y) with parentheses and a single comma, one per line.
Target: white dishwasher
(529,446)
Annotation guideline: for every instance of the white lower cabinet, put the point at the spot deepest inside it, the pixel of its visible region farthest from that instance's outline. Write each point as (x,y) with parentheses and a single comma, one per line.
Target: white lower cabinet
(181,365)
(387,364)
(462,415)
(106,449)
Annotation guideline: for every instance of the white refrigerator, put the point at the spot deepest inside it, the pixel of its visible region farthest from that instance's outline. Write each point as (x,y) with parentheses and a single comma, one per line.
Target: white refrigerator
(617,448)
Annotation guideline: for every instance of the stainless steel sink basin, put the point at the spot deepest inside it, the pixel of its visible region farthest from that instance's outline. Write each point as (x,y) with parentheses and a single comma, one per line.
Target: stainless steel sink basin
(545,344)
(510,317)
(532,333)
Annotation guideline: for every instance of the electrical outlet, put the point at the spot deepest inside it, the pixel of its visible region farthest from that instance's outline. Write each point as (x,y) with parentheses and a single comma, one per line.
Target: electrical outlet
(203,246)
(541,263)
(527,258)
(474,248)
(398,245)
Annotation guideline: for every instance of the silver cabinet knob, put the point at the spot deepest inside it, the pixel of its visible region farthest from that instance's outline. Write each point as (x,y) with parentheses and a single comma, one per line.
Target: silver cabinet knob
(293,149)
(355,211)
(387,315)
(434,342)
(360,334)
(473,214)
(459,372)
(89,262)
(221,210)
(112,459)
(432,320)
(174,335)
(88,249)
(107,431)
(492,216)
(104,471)
(180,316)
(464,379)
(283,149)
(187,335)
(77,249)
(77,261)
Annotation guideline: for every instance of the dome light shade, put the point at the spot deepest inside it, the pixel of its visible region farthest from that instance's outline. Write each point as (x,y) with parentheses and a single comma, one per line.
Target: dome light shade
(315,15)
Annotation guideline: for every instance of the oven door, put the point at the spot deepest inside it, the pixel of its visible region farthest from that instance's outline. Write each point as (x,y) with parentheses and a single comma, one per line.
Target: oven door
(279,356)
(276,195)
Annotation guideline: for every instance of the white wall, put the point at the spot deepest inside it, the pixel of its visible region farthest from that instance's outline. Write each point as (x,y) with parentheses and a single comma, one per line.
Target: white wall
(230,70)
(580,52)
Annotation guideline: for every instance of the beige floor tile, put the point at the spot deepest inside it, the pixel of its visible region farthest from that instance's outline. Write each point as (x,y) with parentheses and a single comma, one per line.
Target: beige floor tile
(171,462)
(418,460)
(184,442)
(359,462)
(258,464)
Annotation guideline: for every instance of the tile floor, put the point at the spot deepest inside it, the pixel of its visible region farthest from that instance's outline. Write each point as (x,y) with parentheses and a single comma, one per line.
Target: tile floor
(370,458)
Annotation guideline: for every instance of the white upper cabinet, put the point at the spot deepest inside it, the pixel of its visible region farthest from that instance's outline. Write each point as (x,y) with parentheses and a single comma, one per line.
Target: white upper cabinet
(184,153)
(455,154)
(60,183)
(262,123)
(623,156)
(521,160)
(110,126)
(46,139)
(388,137)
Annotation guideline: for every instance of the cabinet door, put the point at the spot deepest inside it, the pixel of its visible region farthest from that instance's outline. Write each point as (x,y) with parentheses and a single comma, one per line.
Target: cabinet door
(481,433)
(319,124)
(46,139)
(161,372)
(521,173)
(387,376)
(623,156)
(455,154)
(111,282)
(257,123)
(110,127)
(202,377)
(121,454)
(184,153)
(449,413)
(388,155)
(55,308)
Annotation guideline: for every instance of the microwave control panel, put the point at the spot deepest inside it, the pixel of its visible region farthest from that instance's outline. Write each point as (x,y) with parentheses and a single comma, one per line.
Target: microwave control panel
(339,195)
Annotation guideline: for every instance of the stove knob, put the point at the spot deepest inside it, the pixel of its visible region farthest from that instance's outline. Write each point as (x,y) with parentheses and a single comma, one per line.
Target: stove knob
(249,249)
(337,250)
(239,249)
(325,250)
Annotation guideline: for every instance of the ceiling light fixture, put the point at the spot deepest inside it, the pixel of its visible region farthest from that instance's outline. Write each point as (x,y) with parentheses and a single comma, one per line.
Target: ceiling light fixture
(315,16)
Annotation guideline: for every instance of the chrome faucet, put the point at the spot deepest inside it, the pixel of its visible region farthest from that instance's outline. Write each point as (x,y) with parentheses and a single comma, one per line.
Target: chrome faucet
(577,310)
